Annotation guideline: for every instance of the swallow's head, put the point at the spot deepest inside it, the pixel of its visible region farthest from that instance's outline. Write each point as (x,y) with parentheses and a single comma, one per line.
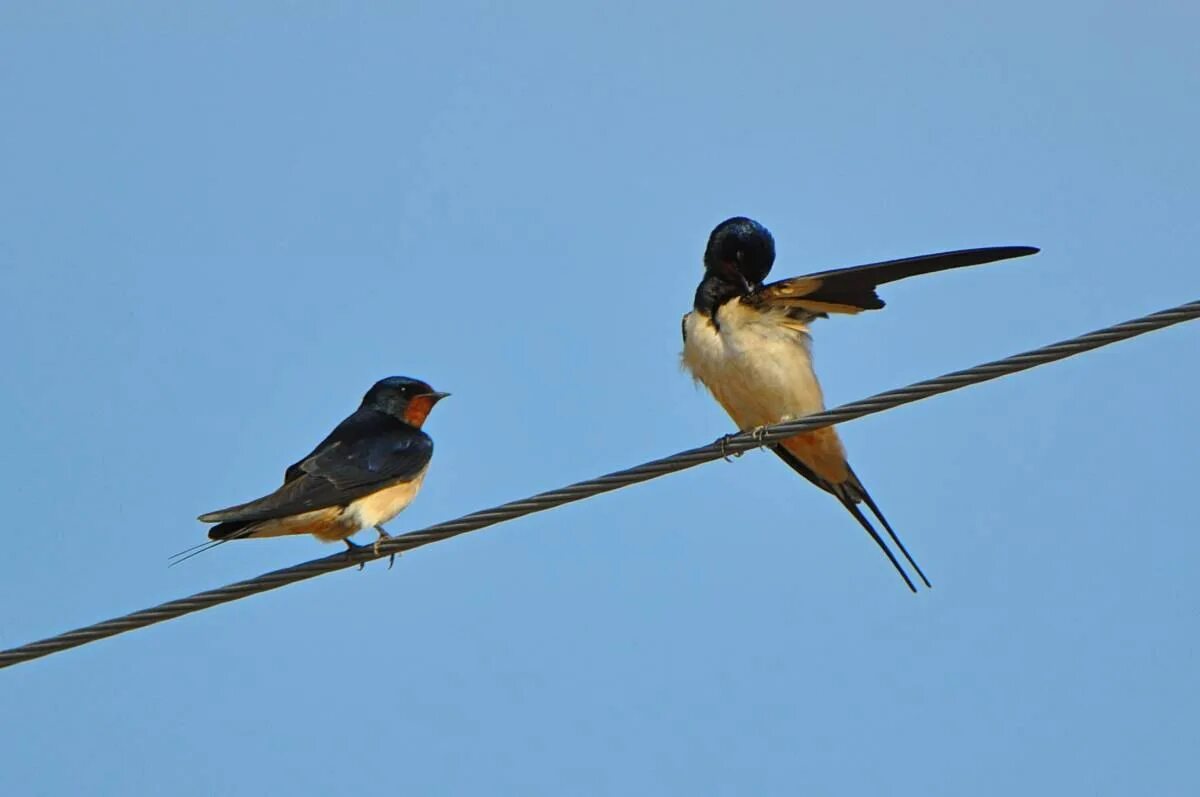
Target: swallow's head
(409,400)
(740,251)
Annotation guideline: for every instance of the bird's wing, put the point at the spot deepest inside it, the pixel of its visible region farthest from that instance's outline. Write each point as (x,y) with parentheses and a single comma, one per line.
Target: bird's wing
(850,290)
(339,473)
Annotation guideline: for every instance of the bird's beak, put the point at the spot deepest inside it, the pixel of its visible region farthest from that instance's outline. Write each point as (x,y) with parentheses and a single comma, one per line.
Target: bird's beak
(732,272)
(437,396)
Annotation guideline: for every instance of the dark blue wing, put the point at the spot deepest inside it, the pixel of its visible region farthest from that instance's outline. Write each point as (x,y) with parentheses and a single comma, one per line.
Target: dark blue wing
(848,290)
(346,466)
(362,459)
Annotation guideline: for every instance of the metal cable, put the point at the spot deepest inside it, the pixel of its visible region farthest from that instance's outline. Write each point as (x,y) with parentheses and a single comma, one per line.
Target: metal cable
(733,444)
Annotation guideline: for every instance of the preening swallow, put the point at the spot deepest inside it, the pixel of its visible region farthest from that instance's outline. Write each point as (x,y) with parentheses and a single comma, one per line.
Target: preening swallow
(750,345)
(361,476)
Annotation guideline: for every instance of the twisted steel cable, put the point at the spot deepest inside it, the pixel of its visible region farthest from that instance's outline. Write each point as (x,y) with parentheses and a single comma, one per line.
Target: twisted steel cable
(732,444)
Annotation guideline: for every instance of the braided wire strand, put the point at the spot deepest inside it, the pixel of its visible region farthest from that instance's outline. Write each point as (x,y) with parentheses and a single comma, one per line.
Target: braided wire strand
(732,444)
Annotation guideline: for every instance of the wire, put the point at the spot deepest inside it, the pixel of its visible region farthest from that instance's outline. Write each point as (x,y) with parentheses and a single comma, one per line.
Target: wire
(732,444)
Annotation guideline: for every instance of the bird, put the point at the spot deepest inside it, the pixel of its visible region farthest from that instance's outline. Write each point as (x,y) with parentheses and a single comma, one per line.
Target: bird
(363,474)
(749,344)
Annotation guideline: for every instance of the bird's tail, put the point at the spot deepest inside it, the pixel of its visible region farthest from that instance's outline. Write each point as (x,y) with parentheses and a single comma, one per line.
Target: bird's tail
(849,493)
(231,530)
(861,494)
(217,535)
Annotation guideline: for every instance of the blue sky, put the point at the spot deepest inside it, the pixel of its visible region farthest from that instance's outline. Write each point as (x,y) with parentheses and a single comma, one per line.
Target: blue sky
(221,223)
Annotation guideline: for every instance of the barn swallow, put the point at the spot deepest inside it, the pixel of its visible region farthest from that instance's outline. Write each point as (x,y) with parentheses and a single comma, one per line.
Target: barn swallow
(750,345)
(362,475)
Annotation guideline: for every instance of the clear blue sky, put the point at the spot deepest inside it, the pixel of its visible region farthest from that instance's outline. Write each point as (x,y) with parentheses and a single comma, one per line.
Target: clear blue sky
(220,223)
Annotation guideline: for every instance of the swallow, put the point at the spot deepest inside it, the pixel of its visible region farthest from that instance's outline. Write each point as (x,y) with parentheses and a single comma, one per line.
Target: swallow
(749,344)
(362,475)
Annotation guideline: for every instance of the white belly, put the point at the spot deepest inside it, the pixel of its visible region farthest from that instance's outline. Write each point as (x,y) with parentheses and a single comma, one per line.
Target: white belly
(378,508)
(758,366)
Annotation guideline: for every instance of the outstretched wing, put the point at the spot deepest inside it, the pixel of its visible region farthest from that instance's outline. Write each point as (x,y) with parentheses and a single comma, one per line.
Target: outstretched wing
(338,473)
(850,290)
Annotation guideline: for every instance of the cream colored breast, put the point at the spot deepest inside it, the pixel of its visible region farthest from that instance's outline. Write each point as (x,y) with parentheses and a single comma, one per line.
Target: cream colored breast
(758,365)
(382,506)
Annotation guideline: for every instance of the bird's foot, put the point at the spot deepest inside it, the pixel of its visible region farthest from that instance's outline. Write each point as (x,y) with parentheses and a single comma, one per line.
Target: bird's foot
(759,433)
(351,547)
(383,535)
(723,441)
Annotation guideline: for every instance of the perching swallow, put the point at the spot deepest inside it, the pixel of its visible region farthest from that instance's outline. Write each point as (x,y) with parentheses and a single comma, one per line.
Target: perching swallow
(361,476)
(750,345)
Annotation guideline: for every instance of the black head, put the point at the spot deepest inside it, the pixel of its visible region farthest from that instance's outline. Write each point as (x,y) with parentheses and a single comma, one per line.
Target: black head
(740,250)
(401,397)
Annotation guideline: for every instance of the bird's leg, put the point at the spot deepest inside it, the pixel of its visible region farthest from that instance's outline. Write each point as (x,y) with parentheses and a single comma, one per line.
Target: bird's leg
(383,535)
(351,547)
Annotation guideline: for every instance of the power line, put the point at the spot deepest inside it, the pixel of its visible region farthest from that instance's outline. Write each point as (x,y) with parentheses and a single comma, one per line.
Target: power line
(733,444)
